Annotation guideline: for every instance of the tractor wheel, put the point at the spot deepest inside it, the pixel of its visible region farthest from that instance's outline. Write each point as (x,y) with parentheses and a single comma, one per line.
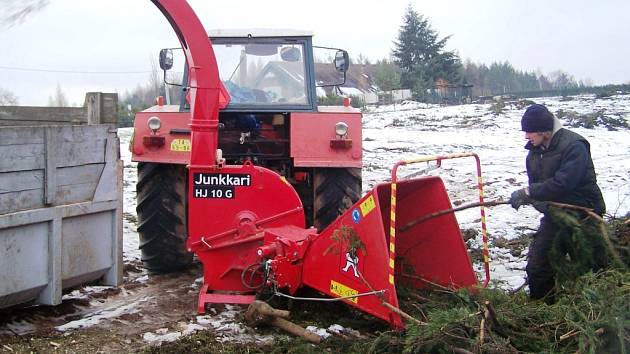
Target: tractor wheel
(335,190)
(161,193)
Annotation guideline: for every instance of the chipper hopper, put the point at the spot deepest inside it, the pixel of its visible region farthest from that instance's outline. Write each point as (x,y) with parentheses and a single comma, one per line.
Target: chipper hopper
(247,228)
(246,223)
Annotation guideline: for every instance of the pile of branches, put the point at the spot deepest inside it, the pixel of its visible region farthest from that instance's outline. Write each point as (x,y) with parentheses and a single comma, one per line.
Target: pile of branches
(590,315)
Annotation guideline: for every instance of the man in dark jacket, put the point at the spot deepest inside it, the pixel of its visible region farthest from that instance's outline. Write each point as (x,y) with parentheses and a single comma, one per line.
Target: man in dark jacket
(560,169)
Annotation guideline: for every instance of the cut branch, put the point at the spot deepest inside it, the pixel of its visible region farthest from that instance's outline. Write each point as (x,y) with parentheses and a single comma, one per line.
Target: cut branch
(449,211)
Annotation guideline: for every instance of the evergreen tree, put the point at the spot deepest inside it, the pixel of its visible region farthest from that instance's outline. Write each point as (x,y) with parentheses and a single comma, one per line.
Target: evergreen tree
(386,75)
(421,56)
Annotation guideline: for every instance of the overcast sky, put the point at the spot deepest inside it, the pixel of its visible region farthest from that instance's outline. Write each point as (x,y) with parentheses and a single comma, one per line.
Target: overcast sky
(588,39)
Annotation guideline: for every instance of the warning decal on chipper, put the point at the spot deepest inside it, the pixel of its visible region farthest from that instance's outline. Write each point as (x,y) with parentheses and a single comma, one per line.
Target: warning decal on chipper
(368,205)
(219,185)
(342,290)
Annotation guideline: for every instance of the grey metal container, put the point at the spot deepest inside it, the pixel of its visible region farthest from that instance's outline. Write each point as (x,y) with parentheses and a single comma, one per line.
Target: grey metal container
(60,210)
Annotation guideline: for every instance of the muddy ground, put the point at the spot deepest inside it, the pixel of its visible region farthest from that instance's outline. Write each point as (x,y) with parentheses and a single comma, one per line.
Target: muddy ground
(105,321)
(158,314)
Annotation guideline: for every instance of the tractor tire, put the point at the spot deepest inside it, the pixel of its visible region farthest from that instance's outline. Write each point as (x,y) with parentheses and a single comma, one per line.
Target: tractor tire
(335,190)
(161,195)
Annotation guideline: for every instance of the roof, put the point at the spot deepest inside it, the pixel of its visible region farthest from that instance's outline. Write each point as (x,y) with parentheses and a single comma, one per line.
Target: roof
(293,72)
(257,32)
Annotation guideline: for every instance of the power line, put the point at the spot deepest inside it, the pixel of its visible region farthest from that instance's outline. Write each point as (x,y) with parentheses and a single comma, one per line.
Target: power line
(13,68)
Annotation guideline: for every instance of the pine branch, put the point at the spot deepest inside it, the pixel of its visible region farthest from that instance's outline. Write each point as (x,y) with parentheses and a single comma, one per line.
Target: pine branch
(602,228)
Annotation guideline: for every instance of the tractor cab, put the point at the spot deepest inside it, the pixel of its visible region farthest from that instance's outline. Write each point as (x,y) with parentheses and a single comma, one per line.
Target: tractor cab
(268,117)
(269,70)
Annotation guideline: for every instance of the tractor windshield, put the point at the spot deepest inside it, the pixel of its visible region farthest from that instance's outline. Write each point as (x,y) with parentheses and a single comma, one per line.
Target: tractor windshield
(263,73)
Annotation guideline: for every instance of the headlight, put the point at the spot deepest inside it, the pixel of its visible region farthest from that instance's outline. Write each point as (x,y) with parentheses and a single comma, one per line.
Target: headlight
(341,128)
(154,124)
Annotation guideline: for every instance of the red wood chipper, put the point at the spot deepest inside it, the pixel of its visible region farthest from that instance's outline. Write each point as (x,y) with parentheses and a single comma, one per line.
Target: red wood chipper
(250,223)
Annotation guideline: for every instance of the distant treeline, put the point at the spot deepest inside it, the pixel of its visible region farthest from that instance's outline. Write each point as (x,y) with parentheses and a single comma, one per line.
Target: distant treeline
(599,91)
(501,78)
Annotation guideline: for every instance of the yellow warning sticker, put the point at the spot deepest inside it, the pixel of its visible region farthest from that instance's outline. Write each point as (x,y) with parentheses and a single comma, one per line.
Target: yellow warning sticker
(342,290)
(182,145)
(368,205)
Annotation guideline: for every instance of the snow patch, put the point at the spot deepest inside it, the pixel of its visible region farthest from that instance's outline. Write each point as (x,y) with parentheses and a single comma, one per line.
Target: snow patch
(335,328)
(143,279)
(161,335)
(319,331)
(228,328)
(104,314)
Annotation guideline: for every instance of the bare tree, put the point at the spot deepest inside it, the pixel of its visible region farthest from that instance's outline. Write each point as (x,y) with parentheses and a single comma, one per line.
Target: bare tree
(155,79)
(59,99)
(7,98)
(15,11)
(588,82)
(562,80)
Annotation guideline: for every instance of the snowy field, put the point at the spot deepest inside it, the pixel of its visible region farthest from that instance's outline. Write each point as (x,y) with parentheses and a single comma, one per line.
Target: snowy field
(408,130)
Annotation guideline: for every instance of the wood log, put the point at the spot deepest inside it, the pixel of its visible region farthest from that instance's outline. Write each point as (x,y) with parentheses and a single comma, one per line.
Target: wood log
(260,312)
(295,329)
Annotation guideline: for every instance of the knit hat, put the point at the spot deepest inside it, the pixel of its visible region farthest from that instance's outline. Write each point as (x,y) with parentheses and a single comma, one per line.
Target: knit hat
(537,118)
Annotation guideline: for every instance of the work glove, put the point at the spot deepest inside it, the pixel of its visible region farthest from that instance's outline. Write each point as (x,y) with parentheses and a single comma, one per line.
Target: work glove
(518,198)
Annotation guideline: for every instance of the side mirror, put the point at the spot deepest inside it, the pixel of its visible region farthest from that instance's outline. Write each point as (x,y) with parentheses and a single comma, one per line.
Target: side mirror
(342,61)
(166,59)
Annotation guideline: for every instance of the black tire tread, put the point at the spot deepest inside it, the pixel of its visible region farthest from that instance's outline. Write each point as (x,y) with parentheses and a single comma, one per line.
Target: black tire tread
(335,190)
(161,209)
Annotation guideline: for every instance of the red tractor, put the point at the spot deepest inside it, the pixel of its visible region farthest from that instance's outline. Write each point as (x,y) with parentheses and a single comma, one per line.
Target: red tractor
(272,120)
(263,185)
